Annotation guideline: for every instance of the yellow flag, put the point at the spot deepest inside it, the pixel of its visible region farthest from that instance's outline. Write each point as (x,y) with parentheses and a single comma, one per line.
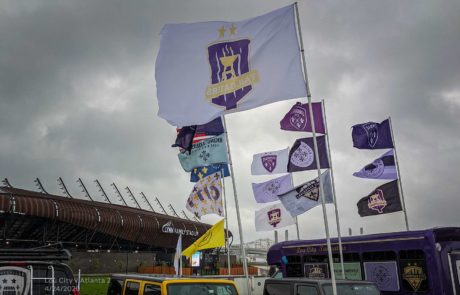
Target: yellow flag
(213,238)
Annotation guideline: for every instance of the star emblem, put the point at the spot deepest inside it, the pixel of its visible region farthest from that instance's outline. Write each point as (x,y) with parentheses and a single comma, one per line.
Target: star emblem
(204,170)
(232,30)
(222,31)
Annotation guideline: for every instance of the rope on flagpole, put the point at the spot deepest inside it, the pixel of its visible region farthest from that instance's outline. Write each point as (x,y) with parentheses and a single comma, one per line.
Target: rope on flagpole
(315,145)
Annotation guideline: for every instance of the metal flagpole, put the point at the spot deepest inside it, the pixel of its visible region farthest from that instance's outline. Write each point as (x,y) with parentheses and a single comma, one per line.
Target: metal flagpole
(296,220)
(399,176)
(315,144)
(226,222)
(238,217)
(337,219)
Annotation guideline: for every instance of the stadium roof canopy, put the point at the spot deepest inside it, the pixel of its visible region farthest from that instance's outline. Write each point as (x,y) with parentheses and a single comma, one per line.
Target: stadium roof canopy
(29,218)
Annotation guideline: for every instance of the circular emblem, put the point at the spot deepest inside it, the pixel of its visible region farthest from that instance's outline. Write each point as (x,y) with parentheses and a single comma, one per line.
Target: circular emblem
(303,156)
(375,170)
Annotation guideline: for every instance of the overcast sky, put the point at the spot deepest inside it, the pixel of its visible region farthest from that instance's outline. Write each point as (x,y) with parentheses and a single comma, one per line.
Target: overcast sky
(78,99)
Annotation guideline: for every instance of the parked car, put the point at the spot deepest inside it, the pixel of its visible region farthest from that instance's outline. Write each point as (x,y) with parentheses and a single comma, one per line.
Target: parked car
(126,284)
(304,286)
(36,272)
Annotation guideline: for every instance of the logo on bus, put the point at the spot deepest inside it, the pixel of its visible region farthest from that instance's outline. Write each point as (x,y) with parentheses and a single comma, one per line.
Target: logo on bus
(414,275)
(316,272)
(14,280)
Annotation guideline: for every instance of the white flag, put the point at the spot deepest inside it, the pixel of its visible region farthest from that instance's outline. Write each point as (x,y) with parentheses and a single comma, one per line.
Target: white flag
(273,217)
(270,162)
(206,196)
(307,195)
(266,192)
(177,256)
(204,70)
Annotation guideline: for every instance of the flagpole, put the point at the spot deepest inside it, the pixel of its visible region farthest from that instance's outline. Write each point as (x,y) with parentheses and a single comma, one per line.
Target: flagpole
(296,220)
(315,144)
(339,237)
(399,176)
(226,222)
(238,217)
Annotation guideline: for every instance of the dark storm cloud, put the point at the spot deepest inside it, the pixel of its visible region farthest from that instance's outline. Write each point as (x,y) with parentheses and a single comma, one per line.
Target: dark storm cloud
(77,99)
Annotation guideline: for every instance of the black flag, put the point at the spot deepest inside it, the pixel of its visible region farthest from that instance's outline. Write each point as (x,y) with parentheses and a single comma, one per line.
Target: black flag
(185,138)
(384,199)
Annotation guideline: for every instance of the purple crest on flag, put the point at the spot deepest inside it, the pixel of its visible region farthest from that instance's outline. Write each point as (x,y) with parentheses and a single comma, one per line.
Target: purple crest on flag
(377,201)
(273,187)
(372,131)
(269,162)
(298,117)
(303,156)
(274,217)
(374,170)
(228,61)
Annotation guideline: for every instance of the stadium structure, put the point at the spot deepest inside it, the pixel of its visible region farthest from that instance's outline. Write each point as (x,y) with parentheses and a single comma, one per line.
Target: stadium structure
(102,237)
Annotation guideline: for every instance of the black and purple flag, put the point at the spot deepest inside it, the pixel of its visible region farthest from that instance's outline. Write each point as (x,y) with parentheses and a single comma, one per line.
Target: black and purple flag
(384,199)
(298,118)
(382,168)
(184,138)
(214,127)
(372,135)
(302,155)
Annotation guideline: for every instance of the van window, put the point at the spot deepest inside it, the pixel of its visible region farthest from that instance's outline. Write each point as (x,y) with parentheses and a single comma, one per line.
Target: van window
(132,288)
(115,287)
(150,289)
(277,289)
(306,290)
(294,266)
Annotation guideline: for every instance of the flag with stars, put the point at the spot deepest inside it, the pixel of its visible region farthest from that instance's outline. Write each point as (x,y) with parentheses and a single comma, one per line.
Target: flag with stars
(204,153)
(206,196)
(206,69)
(200,172)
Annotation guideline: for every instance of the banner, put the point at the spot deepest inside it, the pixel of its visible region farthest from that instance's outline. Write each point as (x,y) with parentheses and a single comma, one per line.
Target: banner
(302,156)
(372,135)
(206,196)
(268,191)
(316,270)
(212,238)
(352,271)
(204,153)
(307,195)
(204,70)
(298,118)
(272,217)
(384,199)
(270,162)
(177,255)
(383,273)
(201,172)
(382,168)
(414,274)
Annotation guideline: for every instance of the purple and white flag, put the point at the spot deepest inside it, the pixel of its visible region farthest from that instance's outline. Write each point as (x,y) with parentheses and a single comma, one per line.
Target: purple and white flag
(382,168)
(372,135)
(273,217)
(270,162)
(308,195)
(268,191)
(302,155)
(298,118)
(206,69)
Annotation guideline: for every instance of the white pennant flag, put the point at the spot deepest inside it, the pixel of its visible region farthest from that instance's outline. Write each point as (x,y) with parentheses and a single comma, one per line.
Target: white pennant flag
(270,162)
(273,217)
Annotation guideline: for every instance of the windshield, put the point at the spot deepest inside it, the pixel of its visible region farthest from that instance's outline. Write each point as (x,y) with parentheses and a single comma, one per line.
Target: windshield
(201,289)
(352,289)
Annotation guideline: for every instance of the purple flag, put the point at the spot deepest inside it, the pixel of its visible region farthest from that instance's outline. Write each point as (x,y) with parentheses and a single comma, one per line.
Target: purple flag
(372,135)
(384,199)
(268,191)
(302,155)
(298,118)
(382,168)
